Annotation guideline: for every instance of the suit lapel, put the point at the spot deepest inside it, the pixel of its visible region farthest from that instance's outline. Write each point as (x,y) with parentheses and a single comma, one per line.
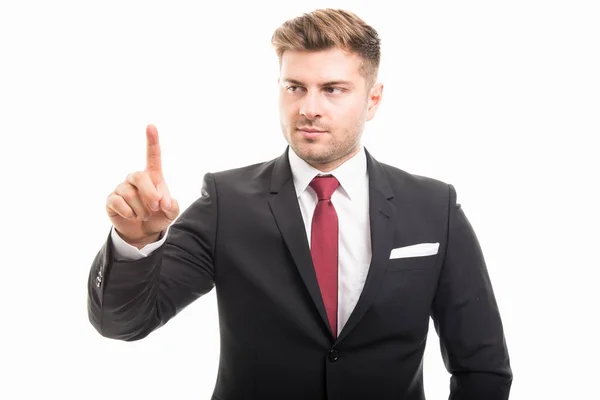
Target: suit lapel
(286,211)
(383,217)
(383,222)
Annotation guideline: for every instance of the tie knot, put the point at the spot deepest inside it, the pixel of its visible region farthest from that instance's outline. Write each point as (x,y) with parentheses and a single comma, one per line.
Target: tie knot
(324,186)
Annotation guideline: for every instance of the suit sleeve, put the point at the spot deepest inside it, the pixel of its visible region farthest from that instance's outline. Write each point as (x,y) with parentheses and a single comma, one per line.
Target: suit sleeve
(128,299)
(466,317)
(123,251)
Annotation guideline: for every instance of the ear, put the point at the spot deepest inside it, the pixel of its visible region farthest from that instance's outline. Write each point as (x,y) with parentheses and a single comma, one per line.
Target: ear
(374,100)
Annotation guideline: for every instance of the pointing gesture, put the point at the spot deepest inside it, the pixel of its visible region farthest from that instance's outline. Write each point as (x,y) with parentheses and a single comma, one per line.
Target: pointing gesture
(141,207)
(153,161)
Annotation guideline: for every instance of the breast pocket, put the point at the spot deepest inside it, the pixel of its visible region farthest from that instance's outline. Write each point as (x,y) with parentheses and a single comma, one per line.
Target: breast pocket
(412,263)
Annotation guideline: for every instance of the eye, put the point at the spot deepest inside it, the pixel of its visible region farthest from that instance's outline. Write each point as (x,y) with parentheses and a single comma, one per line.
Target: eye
(332,89)
(291,88)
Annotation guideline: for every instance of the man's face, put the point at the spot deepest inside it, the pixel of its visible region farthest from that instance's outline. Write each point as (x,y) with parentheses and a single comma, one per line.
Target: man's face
(324,104)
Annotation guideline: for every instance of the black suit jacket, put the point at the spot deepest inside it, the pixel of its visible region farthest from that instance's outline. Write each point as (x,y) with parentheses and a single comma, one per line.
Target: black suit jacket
(245,236)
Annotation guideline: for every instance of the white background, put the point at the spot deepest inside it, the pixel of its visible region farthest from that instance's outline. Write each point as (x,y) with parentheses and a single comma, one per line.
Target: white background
(501,99)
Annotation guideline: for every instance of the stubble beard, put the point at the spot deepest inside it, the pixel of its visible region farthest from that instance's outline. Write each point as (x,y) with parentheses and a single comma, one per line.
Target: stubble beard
(327,153)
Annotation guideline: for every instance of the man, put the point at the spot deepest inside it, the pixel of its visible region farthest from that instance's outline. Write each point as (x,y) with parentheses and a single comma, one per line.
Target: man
(327,264)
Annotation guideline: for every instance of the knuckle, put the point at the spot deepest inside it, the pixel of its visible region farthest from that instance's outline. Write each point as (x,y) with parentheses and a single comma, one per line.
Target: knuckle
(111,200)
(128,193)
(118,205)
(133,177)
(110,205)
(120,187)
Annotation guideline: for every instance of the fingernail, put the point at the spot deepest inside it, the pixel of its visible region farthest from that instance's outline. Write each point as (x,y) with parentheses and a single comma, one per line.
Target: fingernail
(155,206)
(168,204)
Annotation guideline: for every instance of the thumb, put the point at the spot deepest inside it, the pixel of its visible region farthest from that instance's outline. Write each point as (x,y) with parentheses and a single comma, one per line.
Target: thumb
(167,204)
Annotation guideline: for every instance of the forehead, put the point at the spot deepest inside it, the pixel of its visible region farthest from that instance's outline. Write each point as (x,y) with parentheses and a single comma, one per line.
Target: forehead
(325,65)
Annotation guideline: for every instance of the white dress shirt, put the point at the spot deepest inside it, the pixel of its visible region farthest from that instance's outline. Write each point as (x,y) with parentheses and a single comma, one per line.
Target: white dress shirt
(351,202)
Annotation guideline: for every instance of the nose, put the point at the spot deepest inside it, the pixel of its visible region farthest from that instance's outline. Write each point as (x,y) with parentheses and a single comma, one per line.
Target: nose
(311,106)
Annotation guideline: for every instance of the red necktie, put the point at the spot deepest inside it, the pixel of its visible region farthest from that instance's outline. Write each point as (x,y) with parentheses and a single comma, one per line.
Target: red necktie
(324,245)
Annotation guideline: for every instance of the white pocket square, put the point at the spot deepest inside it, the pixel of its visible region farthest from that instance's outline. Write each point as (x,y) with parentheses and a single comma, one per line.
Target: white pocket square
(415,250)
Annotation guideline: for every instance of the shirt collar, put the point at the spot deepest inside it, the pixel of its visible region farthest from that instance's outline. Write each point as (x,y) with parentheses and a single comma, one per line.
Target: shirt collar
(350,174)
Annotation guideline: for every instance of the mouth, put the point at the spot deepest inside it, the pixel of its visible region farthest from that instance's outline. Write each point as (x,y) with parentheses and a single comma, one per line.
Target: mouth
(310,133)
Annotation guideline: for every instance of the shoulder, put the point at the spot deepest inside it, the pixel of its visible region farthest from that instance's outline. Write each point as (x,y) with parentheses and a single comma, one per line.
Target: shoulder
(401,176)
(416,188)
(244,172)
(242,179)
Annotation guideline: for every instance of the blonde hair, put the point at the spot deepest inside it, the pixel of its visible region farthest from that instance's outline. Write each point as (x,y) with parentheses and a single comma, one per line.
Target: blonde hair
(327,28)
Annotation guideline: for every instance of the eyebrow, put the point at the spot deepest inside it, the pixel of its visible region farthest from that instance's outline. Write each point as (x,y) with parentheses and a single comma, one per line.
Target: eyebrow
(325,84)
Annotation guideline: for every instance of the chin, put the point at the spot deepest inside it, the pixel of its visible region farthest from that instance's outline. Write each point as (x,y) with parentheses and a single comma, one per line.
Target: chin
(317,150)
(313,152)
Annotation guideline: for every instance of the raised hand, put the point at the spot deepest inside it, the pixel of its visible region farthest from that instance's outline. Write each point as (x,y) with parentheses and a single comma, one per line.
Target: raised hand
(141,207)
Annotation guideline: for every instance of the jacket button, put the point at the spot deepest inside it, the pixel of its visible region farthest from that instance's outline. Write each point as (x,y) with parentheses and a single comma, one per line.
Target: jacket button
(333,355)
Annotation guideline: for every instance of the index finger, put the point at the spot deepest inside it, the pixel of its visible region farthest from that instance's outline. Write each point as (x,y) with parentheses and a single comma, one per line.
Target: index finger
(153,160)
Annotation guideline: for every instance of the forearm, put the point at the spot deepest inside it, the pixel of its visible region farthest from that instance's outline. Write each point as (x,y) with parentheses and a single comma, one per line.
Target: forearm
(128,299)
(122,295)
